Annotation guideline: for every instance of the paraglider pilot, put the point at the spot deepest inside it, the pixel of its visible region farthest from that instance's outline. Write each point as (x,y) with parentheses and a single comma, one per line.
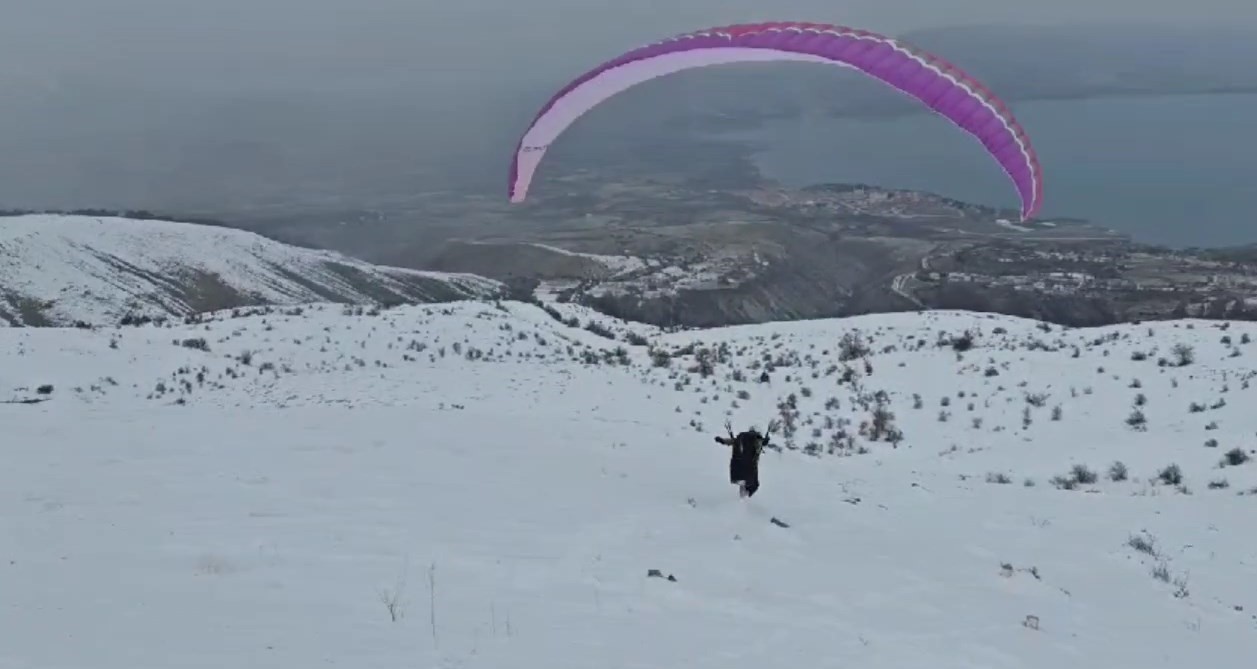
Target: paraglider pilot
(746,448)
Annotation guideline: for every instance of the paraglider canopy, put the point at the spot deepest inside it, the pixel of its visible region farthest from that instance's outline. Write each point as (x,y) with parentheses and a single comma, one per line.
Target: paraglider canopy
(939,85)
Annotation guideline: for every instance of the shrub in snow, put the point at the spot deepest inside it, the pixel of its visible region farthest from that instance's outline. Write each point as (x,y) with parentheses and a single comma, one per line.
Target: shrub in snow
(1084,475)
(1235,457)
(1183,354)
(198,343)
(962,343)
(1064,482)
(1144,543)
(852,347)
(1161,572)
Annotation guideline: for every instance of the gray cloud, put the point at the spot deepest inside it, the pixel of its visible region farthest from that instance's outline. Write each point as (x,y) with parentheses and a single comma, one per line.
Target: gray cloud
(303,43)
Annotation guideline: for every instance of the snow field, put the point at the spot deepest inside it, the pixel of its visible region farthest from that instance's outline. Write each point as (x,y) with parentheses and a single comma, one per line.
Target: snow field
(326,465)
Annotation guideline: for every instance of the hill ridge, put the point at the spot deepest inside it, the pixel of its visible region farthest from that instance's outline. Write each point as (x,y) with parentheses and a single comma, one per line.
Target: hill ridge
(66,269)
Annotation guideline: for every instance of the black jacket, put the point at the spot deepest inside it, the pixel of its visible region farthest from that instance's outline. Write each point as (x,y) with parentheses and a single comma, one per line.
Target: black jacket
(746,446)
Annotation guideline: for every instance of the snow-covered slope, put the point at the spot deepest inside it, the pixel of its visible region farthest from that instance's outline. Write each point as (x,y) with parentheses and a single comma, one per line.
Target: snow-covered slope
(471,485)
(56,270)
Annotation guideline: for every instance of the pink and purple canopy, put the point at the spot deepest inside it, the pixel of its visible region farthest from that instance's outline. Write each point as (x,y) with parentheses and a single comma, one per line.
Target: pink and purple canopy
(943,87)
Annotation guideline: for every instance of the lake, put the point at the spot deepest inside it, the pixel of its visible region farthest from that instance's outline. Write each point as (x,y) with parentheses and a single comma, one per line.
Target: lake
(1179,170)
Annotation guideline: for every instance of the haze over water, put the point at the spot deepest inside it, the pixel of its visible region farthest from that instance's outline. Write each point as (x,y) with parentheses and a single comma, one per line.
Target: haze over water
(1175,170)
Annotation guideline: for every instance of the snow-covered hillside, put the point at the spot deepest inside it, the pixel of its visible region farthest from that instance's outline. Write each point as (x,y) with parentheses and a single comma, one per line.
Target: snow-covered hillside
(479,485)
(58,270)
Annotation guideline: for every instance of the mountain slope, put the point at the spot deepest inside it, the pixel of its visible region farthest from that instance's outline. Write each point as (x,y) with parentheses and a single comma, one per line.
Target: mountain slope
(674,255)
(480,486)
(57,269)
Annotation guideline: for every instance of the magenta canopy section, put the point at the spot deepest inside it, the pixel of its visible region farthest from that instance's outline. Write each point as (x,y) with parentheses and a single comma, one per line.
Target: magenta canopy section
(941,86)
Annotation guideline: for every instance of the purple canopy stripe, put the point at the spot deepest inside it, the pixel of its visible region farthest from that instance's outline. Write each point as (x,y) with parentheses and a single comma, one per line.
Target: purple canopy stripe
(943,88)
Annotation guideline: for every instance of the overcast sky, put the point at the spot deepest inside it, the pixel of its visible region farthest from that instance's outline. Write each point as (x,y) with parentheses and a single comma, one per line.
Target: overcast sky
(302,42)
(157,103)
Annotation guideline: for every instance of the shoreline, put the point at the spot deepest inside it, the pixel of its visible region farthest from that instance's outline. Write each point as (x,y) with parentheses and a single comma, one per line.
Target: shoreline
(748,147)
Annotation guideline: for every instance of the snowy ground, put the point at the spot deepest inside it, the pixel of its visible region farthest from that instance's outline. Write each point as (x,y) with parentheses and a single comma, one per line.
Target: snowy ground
(259,499)
(618,264)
